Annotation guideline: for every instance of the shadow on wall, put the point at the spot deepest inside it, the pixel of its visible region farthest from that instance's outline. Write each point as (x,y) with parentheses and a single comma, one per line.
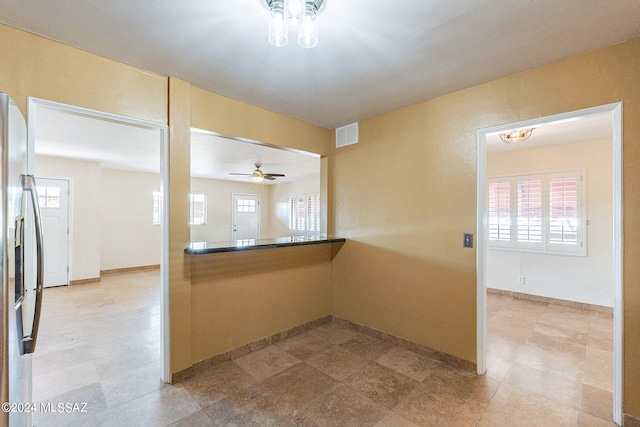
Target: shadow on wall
(427,301)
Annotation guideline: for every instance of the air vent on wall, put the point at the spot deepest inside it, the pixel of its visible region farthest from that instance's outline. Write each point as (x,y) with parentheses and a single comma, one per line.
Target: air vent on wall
(347,135)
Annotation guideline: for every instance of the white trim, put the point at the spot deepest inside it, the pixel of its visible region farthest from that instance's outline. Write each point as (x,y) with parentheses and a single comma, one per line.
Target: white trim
(32,103)
(618,262)
(70,219)
(481,327)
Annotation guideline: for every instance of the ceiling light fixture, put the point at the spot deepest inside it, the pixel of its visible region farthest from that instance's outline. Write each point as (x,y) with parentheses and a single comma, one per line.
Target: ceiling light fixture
(293,15)
(520,135)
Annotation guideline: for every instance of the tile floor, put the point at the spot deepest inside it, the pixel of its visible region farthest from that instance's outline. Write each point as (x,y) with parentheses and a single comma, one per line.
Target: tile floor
(548,366)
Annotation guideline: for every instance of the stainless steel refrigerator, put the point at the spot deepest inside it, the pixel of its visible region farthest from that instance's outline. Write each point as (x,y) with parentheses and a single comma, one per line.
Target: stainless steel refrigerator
(21,275)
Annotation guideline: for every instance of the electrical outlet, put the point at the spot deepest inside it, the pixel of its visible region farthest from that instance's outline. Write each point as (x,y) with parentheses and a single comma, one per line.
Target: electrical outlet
(520,280)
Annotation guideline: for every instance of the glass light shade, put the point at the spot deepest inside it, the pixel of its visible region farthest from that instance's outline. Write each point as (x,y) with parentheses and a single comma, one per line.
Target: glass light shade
(294,10)
(278,35)
(257,178)
(516,136)
(308,33)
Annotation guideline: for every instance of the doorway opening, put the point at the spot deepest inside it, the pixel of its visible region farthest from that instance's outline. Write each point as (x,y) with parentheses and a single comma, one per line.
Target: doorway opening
(95,145)
(614,114)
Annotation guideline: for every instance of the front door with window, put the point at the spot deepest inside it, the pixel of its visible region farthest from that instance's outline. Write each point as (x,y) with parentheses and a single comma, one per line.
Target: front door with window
(53,196)
(246,218)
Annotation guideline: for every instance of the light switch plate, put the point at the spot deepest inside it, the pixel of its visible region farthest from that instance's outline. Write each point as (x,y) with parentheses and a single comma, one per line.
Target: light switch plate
(467,240)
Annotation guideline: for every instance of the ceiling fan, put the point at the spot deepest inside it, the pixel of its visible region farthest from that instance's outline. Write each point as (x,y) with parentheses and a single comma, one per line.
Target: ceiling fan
(258,175)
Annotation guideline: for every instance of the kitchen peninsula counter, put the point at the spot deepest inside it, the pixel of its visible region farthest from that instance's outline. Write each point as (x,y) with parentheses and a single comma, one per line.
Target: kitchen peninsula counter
(241,294)
(202,248)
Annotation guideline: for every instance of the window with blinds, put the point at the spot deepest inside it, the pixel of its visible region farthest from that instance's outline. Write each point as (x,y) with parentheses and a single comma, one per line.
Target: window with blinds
(304,213)
(500,211)
(197,208)
(538,213)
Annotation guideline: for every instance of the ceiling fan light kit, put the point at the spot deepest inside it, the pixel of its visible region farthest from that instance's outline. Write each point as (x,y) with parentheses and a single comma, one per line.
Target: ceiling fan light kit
(296,16)
(519,135)
(259,176)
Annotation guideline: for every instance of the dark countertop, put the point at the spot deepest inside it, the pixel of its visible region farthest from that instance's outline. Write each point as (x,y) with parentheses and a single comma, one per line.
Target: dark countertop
(201,248)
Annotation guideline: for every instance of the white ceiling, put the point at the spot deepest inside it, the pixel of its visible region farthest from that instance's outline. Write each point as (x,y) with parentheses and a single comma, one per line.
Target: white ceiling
(118,145)
(373,56)
(588,128)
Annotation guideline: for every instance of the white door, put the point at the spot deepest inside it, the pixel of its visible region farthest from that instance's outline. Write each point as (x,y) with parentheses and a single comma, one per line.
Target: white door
(53,195)
(246,218)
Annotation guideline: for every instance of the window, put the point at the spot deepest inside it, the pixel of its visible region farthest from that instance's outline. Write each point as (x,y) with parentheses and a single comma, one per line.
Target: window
(304,213)
(197,208)
(157,207)
(538,213)
(49,197)
(246,205)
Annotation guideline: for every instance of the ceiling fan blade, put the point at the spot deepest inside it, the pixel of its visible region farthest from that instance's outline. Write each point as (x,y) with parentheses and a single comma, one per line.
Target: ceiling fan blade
(275,174)
(269,177)
(245,174)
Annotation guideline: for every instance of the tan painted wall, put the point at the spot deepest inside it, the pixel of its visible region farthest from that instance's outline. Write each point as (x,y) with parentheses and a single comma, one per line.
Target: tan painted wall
(403,269)
(38,67)
(242,297)
(227,116)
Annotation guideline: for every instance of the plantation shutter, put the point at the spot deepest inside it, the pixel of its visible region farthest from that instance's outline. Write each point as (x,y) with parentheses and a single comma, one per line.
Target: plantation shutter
(499,214)
(565,212)
(530,213)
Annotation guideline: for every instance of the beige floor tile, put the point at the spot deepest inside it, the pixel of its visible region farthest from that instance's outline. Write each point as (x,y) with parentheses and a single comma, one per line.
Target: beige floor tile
(598,368)
(91,406)
(554,387)
(460,384)
(597,402)
(197,419)
(337,362)
(159,408)
(266,362)
(425,408)
(295,419)
(546,359)
(333,333)
(217,382)
(394,420)
(64,380)
(256,406)
(587,420)
(525,408)
(340,406)
(381,384)
(367,346)
(546,365)
(304,346)
(299,384)
(408,363)
(131,385)
(513,329)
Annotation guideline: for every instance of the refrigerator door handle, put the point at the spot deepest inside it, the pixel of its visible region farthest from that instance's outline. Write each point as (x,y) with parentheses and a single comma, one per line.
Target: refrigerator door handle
(29,185)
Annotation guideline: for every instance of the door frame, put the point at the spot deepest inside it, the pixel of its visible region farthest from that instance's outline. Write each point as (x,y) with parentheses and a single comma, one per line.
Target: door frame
(32,104)
(70,223)
(481,226)
(233,212)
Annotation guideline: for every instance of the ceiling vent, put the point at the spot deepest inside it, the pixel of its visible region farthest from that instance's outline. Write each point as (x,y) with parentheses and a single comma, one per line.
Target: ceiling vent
(347,135)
